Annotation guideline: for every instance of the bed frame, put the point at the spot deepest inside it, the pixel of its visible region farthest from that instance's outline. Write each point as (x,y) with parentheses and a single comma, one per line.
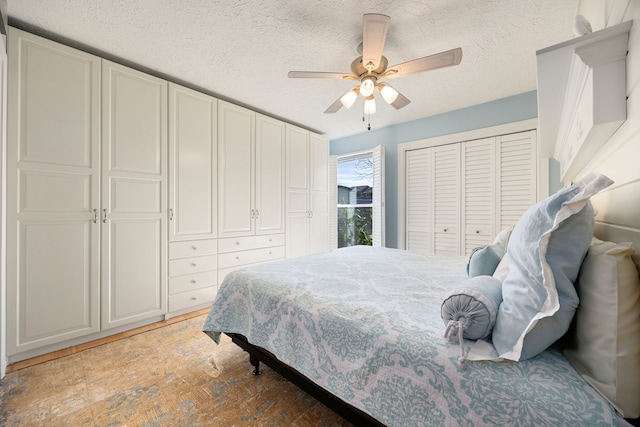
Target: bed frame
(339,406)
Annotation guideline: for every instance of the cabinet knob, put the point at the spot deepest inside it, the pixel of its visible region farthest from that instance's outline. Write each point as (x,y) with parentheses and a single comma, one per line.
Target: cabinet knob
(445,230)
(193,281)
(477,231)
(195,248)
(193,264)
(237,242)
(193,298)
(237,257)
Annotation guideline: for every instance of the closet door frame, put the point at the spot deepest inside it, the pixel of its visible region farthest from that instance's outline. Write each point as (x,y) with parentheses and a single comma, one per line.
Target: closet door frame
(509,128)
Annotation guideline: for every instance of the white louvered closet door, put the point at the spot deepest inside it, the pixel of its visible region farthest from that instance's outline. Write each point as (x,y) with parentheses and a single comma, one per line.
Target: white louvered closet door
(517,188)
(478,176)
(419,195)
(446,199)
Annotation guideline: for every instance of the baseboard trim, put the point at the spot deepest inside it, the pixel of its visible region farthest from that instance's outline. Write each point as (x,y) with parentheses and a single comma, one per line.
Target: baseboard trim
(16,366)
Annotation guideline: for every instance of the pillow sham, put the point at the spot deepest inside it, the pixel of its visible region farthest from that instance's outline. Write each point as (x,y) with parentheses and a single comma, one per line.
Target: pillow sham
(483,261)
(606,343)
(475,304)
(545,251)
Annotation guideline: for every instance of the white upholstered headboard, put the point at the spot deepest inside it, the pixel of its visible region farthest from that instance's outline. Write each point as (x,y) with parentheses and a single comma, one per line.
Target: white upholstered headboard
(583,129)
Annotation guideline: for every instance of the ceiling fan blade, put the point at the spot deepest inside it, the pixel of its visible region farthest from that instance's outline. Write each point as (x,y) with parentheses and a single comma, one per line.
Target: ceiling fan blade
(400,102)
(432,62)
(320,75)
(374,34)
(334,107)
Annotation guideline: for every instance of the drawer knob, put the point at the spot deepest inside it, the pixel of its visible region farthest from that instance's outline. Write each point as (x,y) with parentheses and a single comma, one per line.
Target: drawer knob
(193,264)
(193,298)
(194,247)
(193,281)
(237,242)
(270,239)
(270,253)
(237,257)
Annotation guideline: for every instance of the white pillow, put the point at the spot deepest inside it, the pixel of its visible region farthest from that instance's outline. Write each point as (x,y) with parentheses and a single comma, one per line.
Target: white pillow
(545,251)
(606,350)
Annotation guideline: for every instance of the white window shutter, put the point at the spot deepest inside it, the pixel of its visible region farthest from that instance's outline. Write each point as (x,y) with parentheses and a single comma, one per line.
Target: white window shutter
(378,196)
(333,202)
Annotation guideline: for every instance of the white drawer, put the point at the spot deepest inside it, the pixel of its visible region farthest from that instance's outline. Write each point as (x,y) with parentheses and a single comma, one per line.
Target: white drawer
(233,244)
(179,267)
(234,259)
(222,273)
(192,281)
(192,248)
(192,298)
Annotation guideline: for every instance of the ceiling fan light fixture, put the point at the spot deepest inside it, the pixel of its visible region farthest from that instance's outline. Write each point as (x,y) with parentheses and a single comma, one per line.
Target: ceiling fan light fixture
(367,86)
(388,93)
(349,98)
(369,105)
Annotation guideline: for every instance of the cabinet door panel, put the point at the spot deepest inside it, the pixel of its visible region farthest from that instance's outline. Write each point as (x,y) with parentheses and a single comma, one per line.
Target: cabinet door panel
(44,192)
(235,170)
(56,91)
(193,128)
(270,171)
(134,204)
(57,297)
(136,125)
(131,290)
(135,195)
(297,159)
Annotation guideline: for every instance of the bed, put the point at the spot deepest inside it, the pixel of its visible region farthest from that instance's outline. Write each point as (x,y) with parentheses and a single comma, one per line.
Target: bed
(360,328)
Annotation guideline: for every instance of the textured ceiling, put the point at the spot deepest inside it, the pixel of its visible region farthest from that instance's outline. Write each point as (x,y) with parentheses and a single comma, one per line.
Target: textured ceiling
(242,50)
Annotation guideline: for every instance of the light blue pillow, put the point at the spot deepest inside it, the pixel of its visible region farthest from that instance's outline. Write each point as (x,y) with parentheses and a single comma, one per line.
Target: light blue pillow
(545,252)
(475,303)
(484,260)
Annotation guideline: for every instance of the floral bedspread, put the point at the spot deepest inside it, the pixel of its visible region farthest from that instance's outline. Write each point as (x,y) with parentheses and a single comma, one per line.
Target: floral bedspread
(364,323)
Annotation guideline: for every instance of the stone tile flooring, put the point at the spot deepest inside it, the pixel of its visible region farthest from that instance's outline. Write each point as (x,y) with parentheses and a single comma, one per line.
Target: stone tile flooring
(170,376)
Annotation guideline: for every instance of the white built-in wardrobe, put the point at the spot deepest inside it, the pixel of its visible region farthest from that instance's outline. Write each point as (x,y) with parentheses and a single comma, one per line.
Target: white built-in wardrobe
(129,198)
(458,192)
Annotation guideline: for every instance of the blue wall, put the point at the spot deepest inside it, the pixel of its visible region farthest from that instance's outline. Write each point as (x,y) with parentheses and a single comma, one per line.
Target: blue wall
(494,113)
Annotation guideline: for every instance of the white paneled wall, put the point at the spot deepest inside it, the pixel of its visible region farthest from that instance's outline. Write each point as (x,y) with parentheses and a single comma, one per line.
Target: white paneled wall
(618,206)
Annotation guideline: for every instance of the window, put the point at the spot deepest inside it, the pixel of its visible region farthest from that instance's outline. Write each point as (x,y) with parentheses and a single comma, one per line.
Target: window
(359,188)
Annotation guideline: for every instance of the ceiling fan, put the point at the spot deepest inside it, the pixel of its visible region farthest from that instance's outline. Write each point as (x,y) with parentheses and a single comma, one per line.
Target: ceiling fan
(372,66)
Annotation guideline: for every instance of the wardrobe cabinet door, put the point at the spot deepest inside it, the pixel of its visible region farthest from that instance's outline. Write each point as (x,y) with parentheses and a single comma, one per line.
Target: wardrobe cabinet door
(52,191)
(319,194)
(236,137)
(134,203)
(193,153)
(298,212)
(270,172)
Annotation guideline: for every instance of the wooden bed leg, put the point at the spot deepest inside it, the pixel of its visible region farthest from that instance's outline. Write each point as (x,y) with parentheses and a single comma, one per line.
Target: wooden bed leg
(256,365)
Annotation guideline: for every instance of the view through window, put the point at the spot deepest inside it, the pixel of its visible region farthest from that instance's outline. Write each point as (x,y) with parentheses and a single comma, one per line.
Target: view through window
(355,200)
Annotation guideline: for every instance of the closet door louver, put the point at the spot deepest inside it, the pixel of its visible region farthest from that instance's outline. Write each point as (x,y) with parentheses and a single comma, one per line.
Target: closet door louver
(419,165)
(460,195)
(446,180)
(479,192)
(517,176)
